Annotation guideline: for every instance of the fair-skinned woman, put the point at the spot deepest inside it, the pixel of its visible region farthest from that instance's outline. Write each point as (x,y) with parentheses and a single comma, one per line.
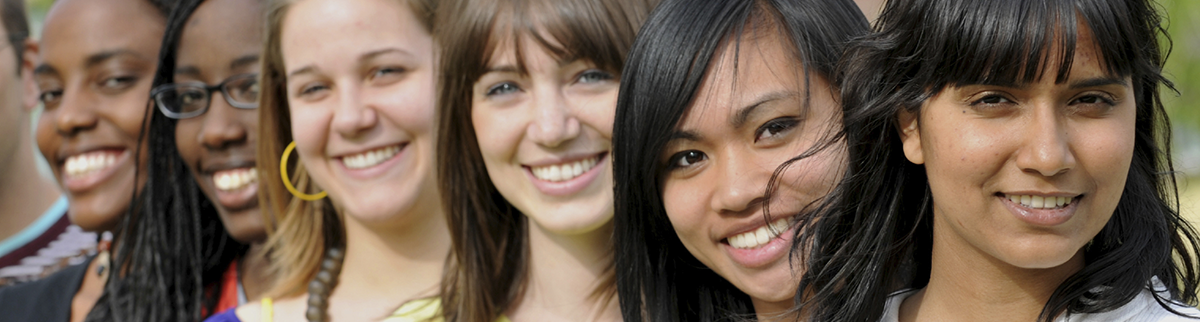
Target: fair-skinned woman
(526,106)
(1006,174)
(351,84)
(708,193)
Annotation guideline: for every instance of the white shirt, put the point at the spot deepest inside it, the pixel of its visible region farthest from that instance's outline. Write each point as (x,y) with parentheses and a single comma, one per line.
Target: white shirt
(1143,308)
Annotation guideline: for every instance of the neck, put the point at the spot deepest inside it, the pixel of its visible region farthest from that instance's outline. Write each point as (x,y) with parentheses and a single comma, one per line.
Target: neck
(967,284)
(253,271)
(24,192)
(384,268)
(566,273)
(773,311)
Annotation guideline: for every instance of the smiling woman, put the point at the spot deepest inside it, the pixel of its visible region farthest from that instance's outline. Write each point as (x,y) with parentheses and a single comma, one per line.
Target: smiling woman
(716,102)
(1015,173)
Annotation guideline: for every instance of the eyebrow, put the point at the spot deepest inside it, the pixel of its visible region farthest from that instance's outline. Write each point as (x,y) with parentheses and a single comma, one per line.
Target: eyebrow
(743,114)
(684,135)
(243,61)
(376,53)
(102,57)
(302,70)
(44,69)
(509,68)
(1098,81)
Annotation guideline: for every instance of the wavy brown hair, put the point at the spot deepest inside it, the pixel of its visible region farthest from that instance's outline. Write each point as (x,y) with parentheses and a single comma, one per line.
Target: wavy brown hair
(490,261)
(298,231)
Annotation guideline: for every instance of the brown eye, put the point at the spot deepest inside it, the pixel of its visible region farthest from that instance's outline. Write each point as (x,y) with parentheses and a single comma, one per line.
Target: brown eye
(686,159)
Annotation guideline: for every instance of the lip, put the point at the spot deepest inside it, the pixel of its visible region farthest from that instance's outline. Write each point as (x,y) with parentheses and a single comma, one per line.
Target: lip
(1042,217)
(569,187)
(85,183)
(375,170)
(763,255)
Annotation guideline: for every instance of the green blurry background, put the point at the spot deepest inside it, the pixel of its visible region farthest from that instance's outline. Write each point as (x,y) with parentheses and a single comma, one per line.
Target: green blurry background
(1183,67)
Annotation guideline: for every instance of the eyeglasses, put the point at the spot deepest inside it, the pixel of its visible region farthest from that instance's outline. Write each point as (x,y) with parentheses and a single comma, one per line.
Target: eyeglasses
(184,100)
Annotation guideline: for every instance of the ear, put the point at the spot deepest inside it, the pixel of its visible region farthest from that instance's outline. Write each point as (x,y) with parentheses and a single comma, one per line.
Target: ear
(910,136)
(29,86)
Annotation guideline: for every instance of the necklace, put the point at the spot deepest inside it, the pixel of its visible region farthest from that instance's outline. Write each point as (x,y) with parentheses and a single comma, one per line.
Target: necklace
(103,258)
(322,284)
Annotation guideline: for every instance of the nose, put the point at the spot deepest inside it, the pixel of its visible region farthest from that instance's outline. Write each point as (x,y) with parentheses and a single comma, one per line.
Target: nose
(353,115)
(554,121)
(740,184)
(1046,149)
(221,126)
(75,113)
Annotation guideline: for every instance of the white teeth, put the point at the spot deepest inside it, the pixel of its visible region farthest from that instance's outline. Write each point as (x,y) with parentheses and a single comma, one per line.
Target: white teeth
(564,171)
(1040,202)
(88,163)
(370,158)
(235,179)
(759,237)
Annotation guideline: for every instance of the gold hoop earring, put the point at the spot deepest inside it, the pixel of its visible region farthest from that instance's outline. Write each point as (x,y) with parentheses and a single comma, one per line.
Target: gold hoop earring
(288,182)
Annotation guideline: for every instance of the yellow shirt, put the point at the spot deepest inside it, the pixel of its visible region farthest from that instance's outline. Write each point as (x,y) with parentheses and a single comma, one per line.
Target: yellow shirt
(424,310)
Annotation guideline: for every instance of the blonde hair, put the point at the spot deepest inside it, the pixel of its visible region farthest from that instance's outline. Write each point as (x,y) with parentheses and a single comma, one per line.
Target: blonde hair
(296,228)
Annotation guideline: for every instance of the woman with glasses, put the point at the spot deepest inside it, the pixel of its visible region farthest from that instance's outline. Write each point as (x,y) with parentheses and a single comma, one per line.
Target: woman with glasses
(207,95)
(97,62)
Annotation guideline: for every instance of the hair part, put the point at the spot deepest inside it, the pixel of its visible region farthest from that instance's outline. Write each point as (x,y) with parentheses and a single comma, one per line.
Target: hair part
(876,235)
(658,278)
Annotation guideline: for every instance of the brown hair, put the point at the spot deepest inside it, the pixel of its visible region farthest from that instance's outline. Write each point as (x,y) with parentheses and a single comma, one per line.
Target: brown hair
(488,268)
(16,24)
(296,229)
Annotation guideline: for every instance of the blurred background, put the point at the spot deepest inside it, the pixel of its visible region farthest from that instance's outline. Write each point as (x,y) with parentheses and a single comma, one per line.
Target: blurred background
(1183,68)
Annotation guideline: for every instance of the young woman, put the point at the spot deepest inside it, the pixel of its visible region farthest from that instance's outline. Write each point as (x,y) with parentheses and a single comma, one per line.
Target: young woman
(96,63)
(716,101)
(351,85)
(1009,162)
(206,91)
(527,95)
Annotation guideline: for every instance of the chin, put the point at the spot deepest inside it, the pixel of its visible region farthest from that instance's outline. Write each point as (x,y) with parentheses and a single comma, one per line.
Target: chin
(93,218)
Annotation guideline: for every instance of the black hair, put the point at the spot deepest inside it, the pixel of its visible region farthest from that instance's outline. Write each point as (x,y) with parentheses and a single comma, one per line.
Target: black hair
(16,24)
(877,234)
(172,243)
(657,278)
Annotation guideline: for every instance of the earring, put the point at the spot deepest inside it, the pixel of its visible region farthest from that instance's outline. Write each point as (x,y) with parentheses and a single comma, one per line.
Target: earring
(288,182)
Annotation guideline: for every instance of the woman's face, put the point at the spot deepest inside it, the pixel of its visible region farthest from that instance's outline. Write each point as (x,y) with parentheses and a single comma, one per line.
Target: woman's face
(1026,175)
(545,136)
(95,70)
(360,85)
(745,123)
(222,40)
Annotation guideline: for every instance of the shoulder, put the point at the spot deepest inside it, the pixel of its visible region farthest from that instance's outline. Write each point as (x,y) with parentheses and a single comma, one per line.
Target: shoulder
(891,309)
(1145,307)
(46,299)
(249,312)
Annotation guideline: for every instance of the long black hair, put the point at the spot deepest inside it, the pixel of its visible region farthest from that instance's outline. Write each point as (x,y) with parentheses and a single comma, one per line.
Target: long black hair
(877,235)
(173,248)
(657,278)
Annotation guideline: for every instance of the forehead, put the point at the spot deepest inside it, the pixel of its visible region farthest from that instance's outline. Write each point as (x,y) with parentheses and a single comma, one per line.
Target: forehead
(222,26)
(745,69)
(79,28)
(313,29)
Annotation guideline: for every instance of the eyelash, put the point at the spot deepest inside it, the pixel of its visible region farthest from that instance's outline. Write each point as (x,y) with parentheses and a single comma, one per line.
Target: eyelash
(673,162)
(502,88)
(382,71)
(50,102)
(596,74)
(776,126)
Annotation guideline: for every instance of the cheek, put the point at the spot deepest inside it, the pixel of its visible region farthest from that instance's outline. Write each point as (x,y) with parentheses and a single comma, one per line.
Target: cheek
(496,134)
(599,112)
(47,137)
(186,140)
(309,131)
(683,205)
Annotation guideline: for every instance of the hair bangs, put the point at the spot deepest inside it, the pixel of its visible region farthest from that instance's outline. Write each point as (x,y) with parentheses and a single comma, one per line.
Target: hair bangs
(599,32)
(1007,44)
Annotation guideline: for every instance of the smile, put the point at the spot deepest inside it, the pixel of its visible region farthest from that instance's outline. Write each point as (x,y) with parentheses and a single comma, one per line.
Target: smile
(759,237)
(86,164)
(234,179)
(564,171)
(371,158)
(1040,202)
